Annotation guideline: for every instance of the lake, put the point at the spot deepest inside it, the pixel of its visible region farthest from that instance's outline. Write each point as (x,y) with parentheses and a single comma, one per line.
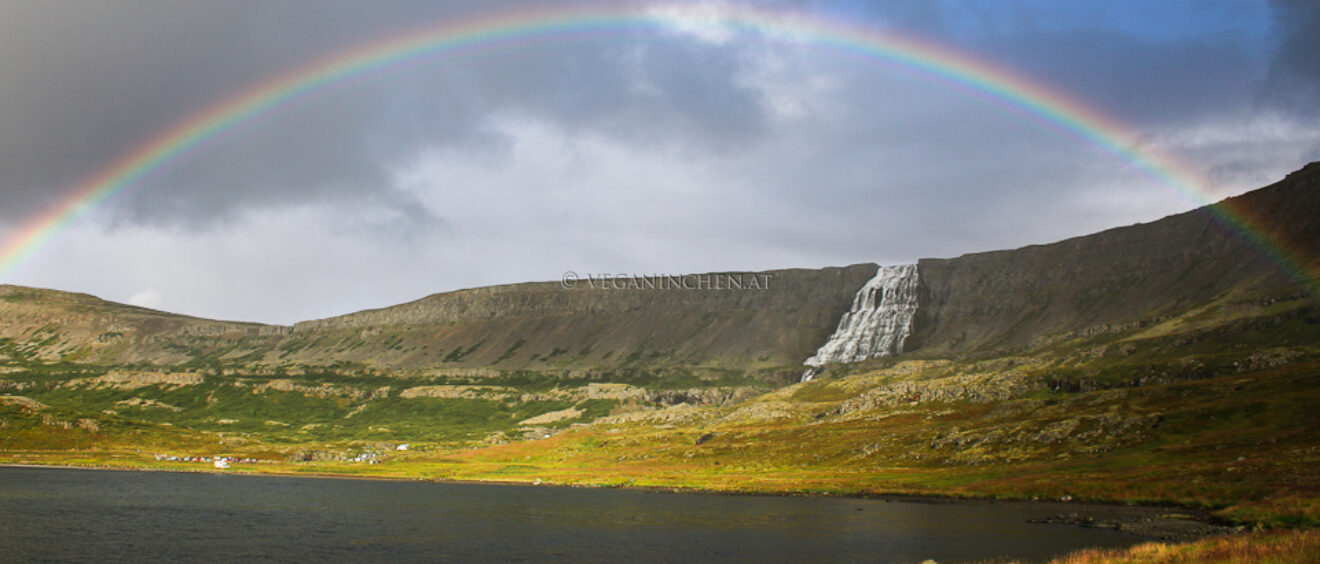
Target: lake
(105,516)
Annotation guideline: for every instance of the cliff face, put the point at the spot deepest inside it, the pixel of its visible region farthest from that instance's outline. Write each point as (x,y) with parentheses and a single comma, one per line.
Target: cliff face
(535,326)
(544,325)
(1005,300)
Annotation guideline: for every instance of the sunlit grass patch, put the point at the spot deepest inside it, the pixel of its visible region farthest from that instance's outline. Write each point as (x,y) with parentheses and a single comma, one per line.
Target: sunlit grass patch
(1281,547)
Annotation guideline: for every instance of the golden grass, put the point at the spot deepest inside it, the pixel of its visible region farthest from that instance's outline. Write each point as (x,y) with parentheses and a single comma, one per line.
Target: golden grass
(1281,547)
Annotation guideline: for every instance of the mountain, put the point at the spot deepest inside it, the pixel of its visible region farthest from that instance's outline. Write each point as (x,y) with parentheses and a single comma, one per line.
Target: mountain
(1008,300)
(1087,368)
(543,326)
(49,326)
(976,304)
(776,319)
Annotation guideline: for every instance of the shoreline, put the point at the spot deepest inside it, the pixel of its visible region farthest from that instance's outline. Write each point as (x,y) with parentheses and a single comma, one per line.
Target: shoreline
(1163,522)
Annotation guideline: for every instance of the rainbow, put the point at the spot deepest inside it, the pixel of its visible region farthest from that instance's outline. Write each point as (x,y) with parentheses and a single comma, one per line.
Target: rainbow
(960,69)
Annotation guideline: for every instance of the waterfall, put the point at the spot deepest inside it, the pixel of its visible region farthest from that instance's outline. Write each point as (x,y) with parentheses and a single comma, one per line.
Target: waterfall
(877,325)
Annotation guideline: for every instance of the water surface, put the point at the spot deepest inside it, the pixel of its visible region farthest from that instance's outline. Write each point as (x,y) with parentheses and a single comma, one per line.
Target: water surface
(104,516)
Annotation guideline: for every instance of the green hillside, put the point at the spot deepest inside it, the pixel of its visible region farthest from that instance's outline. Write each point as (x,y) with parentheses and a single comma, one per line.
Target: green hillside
(1166,363)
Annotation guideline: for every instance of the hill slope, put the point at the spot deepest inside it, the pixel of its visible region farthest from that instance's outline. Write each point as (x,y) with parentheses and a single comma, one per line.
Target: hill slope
(1007,300)
(534,326)
(544,326)
(50,326)
(978,304)
(1084,369)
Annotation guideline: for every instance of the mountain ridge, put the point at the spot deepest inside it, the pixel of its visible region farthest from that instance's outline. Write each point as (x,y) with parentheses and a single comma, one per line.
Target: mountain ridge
(999,301)
(1166,362)
(976,303)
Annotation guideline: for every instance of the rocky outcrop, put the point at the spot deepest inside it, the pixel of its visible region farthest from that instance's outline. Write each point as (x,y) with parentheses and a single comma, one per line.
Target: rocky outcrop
(553,416)
(134,380)
(498,393)
(24,402)
(972,387)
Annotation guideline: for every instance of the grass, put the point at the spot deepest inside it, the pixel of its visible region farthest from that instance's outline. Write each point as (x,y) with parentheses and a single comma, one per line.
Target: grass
(1281,547)
(1216,413)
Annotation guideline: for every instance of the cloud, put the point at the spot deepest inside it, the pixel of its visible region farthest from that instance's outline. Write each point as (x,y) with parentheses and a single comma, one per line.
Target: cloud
(706,21)
(94,82)
(277,266)
(1243,150)
(1294,73)
(148,298)
(689,148)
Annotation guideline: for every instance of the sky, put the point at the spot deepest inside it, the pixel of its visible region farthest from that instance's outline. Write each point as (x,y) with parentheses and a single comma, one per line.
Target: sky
(681,148)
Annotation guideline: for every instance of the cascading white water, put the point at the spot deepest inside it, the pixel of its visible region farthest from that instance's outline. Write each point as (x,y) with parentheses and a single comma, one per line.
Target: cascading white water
(877,325)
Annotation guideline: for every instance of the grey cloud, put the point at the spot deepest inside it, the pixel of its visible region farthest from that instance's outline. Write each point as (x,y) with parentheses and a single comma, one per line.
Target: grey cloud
(85,84)
(634,150)
(1160,63)
(1294,74)
(1141,80)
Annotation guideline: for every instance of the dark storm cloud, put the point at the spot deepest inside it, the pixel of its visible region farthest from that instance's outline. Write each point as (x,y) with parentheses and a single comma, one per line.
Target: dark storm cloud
(76,91)
(1140,80)
(84,84)
(1294,79)
(1141,62)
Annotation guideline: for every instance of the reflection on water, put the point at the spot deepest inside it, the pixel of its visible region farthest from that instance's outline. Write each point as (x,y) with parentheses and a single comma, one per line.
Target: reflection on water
(88,515)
